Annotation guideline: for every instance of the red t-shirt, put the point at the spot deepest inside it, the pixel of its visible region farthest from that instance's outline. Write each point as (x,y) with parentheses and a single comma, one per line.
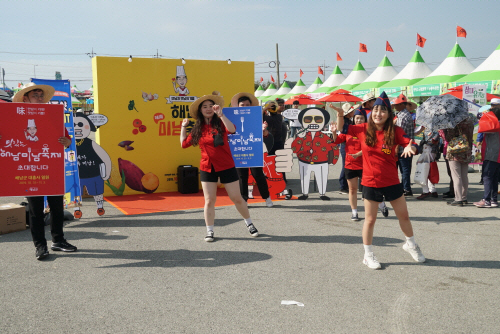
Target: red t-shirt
(352,146)
(220,157)
(379,162)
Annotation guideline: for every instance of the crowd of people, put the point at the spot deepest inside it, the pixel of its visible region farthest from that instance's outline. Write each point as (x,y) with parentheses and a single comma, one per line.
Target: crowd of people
(375,142)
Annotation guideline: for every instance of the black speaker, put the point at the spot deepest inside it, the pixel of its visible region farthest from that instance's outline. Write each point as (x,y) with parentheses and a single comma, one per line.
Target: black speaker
(187,179)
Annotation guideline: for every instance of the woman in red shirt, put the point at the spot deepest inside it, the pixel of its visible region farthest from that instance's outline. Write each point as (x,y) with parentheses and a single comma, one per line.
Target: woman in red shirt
(210,134)
(379,138)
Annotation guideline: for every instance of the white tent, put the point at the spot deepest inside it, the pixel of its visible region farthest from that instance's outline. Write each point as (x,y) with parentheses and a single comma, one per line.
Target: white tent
(357,76)
(316,84)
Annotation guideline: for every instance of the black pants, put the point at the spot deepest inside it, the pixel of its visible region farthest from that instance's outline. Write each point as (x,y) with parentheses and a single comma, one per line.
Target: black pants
(260,179)
(448,170)
(37,224)
(490,178)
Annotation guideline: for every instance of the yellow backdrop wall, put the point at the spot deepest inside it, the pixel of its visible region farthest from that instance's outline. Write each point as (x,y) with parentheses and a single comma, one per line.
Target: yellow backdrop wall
(143,102)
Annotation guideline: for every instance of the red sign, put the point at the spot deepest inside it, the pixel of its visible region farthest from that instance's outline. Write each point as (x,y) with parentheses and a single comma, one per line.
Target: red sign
(31,157)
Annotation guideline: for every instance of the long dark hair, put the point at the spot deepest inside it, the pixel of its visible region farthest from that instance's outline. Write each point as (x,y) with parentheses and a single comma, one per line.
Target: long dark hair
(371,135)
(215,124)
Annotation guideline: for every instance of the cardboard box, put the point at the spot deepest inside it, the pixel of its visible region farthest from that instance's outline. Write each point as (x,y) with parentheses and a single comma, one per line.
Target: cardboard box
(12,218)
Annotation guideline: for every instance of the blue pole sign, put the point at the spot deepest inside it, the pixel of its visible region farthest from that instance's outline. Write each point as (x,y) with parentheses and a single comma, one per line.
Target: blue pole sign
(246,143)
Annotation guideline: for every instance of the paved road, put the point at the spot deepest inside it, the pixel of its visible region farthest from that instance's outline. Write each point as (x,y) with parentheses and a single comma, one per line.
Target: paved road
(154,273)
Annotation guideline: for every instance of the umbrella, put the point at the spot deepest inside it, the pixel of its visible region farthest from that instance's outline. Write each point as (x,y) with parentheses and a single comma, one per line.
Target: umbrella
(442,112)
(337,96)
(458,91)
(303,99)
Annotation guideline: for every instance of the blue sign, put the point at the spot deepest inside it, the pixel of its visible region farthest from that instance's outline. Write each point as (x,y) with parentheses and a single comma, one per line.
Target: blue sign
(62,95)
(246,143)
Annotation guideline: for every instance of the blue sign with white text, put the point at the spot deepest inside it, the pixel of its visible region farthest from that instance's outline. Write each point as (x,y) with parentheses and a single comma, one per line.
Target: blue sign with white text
(246,143)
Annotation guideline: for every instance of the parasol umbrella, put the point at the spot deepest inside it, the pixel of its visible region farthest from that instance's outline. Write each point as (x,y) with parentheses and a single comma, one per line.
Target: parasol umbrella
(442,112)
(458,92)
(303,99)
(337,96)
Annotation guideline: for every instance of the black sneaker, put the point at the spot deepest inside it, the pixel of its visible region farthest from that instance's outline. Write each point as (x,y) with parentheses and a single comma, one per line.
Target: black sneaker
(41,252)
(289,194)
(210,236)
(324,198)
(63,246)
(253,231)
(408,193)
(448,195)
(456,203)
(344,191)
(303,197)
(385,211)
(355,217)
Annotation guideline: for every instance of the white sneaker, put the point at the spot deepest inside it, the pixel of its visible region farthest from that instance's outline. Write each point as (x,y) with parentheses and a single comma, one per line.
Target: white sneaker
(250,194)
(415,253)
(269,203)
(371,261)
(210,236)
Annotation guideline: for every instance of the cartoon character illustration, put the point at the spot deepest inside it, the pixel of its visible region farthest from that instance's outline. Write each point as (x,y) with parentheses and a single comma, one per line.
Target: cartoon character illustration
(181,80)
(71,156)
(30,132)
(94,163)
(312,148)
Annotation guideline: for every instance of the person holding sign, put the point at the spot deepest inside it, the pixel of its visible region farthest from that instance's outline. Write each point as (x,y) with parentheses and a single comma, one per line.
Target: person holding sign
(249,100)
(379,138)
(210,134)
(32,93)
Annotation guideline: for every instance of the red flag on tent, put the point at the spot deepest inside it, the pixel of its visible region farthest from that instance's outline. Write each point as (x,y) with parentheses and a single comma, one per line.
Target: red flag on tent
(362,47)
(261,79)
(320,71)
(301,73)
(338,57)
(420,41)
(286,75)
(388,47)
(272,79)
(461,32)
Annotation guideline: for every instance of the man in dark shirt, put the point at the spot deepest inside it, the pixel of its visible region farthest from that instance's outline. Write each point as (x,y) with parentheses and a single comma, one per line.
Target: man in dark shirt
(274,125)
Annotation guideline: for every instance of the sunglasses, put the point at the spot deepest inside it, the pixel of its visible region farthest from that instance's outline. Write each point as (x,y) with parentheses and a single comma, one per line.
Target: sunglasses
(80,124)
(309,119)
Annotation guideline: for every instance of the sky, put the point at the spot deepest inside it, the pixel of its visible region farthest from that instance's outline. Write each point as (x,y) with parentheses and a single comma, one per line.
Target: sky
(41,37)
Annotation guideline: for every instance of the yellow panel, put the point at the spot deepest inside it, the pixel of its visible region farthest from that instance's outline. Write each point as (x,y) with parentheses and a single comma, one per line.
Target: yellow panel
(117,82)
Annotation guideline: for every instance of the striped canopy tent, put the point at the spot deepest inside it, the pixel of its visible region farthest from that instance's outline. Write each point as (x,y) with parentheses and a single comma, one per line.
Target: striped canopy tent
(284,89)
(455,66)
(315,85)
(74,90)
(270,91)
(335,79)
(357,76)
(384,73)
(412,73)
(259,91)
(75,101)
(298,89)
(489,70)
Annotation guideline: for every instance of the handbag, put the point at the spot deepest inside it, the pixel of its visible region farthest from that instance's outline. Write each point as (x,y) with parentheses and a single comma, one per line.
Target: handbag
(458,144)
(489,123)
(434,173)
(422,173)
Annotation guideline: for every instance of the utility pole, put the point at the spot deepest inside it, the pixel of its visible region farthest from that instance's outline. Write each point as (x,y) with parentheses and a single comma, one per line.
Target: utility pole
(278,66)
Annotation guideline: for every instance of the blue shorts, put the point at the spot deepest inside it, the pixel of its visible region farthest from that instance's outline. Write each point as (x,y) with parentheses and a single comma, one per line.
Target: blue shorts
(95,185)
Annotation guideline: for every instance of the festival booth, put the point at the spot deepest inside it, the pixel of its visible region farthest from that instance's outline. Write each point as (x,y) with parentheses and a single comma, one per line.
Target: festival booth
(384,73)
(455,66)
(412,73)
(488,73)
(335,79)
(315,85)
(259,91)
(357,76)
(298,89)
(144,102)
(284,89)
(270,91)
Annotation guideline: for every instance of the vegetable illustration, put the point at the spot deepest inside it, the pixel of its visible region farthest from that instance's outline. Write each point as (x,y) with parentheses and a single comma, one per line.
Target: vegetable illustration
(131,105)
(150,182)
(136,179)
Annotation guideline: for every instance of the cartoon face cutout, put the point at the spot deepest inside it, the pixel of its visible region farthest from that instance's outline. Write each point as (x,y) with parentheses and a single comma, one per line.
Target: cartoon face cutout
(181,80)
(31,131)
(82,128)
(313,120)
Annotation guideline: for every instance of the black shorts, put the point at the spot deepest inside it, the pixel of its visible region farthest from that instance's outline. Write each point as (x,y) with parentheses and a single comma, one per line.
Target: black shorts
(388,194)
(352,173)
(226,175)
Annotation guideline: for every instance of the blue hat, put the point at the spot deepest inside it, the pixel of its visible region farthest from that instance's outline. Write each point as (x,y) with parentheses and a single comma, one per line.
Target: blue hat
(359,112)
(383,100)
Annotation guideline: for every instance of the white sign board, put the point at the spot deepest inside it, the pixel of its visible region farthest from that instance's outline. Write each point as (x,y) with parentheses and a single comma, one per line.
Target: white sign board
(291,113)
(475,95)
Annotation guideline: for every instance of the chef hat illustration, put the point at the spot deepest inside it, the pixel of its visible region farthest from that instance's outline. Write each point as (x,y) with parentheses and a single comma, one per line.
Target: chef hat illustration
(31,123)
(180,71)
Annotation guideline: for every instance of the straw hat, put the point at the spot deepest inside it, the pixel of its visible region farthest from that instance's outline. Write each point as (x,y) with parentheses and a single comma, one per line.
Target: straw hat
(253,100)
(347,108)
(368,97)
(403,99)
(48,92)
(193,108)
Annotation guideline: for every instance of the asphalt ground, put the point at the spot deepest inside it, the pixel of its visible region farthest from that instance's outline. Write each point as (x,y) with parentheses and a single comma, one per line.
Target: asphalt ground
(153,273)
